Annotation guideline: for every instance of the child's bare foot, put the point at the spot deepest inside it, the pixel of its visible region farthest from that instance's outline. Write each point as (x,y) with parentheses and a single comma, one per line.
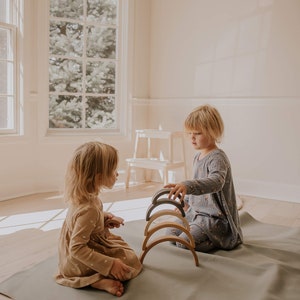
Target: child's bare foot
(111,286)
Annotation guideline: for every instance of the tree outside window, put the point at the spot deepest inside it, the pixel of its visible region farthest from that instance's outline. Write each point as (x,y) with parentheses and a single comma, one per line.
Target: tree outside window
(83,63)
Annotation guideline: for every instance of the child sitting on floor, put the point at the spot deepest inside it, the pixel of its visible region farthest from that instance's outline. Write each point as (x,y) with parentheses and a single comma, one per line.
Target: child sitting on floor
(89,254)
(211,207)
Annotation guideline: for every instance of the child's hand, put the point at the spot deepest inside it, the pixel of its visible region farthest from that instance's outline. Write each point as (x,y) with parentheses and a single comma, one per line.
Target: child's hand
(113,221)
(177,191)
(120,271)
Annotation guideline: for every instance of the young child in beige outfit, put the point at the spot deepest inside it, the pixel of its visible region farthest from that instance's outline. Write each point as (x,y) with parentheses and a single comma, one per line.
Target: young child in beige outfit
(89,254)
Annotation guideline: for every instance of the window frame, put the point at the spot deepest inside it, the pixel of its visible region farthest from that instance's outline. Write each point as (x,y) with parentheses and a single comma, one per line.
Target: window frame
(121,83)
(13,28)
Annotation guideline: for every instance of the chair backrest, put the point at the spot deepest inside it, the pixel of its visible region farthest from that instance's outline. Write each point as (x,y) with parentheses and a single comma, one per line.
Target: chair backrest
(157,134)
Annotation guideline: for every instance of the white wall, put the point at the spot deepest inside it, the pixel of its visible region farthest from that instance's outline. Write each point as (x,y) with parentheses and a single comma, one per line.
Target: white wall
(241,56)
(36,162)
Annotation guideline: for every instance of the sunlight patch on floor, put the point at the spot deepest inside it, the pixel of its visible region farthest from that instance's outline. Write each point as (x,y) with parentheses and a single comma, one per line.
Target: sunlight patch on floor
(129,210)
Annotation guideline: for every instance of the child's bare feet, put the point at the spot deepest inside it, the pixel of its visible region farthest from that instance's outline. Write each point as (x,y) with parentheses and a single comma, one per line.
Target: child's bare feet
(111,286)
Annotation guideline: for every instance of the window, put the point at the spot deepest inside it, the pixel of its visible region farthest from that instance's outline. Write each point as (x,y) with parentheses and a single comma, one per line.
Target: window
(84,65)
(8,64)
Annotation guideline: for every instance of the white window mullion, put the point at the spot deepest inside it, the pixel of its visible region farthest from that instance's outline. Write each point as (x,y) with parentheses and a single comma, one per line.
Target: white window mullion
(84,62)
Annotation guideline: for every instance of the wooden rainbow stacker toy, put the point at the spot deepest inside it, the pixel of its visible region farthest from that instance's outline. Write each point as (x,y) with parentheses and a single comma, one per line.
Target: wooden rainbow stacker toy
(149,243)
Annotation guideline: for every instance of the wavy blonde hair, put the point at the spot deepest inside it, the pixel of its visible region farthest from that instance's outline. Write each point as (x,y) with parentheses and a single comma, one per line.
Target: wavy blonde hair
(205,119)
(89,160)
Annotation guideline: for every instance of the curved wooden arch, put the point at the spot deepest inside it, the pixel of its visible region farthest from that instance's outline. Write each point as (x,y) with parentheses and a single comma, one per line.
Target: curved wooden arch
(161,202)
(161,192)
(169,238)
(165,225)
(164,212)
(148,232)
(156,201)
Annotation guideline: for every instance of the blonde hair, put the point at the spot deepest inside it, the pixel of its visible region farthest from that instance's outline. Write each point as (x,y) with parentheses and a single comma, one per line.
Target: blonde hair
(207,120)
(89,160)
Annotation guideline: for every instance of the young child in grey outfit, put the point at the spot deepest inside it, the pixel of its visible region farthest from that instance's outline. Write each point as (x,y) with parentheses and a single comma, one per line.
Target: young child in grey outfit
(210,200)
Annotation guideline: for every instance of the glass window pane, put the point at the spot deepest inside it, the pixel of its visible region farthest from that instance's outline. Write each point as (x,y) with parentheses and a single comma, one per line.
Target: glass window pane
(6,49)
(67,9)
(102,11)
(5,11)
(82,64)
(8,65)
(100,112)
(65,75)
(6,79)
(65,112)
(6,112)
(100,77)
(66,38)
(101,42)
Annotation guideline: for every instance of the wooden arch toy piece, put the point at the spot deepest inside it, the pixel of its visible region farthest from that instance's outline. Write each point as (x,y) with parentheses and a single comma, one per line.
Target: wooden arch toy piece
(161,192)
(156,201)
(169,238)
(165,225)
(184,227)
(165,212)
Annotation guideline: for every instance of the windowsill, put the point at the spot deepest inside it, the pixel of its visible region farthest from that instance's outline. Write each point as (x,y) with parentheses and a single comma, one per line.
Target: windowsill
(64,138)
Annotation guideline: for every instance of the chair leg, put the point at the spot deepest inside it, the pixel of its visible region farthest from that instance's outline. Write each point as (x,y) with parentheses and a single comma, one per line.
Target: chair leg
(185,172)
(128,171)
(147,175)
(165,175)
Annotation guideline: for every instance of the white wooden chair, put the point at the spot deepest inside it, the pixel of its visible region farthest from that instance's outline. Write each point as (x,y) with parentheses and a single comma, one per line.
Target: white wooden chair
(154,163)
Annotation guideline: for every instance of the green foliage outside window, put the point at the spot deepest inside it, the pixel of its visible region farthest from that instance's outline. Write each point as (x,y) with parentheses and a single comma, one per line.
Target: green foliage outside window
(82,64)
